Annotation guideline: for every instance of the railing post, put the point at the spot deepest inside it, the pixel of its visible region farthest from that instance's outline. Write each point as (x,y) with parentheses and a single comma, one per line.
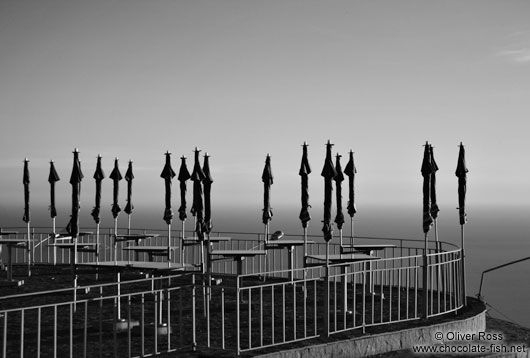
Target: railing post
(194,340)
(238,338)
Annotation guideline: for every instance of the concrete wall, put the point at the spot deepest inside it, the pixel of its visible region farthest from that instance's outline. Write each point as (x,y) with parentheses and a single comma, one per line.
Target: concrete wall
(385,342)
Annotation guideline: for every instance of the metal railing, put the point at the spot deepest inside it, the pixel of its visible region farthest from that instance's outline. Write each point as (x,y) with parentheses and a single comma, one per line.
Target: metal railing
(270,304)
(155,316)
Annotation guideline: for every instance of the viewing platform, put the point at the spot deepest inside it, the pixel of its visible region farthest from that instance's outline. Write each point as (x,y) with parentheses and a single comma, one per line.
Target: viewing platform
(262,295)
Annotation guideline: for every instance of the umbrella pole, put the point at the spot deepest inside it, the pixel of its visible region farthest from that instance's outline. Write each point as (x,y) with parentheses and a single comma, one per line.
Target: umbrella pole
(463,265)
(54,247)
(208,266)
(168,245)
(425,281)
(265,242)
(352,234)
(326,292)
(118,276)
(305,255)
(305,242)
(29,249)
(182,244)
(128,233)
(97,251)
(115,241)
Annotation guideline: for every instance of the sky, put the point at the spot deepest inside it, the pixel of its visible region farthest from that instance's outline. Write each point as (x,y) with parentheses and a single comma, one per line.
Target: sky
(242,79)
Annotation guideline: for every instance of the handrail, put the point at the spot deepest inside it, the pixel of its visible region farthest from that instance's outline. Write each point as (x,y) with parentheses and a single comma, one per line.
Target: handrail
(479,296)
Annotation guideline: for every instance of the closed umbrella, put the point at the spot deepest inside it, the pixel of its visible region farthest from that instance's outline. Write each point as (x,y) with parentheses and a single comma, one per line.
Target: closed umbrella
(53,177)
(129,176)
(328,172)
(184,175)
(267,179)
(350,170)
(197,209)
(339,178)
(115,175)
(168,174)
(98,177)
(75,181)
(26,217)
(304,172)
(25,182)
(207,183)
(434,204)
(426,171)
(461,173)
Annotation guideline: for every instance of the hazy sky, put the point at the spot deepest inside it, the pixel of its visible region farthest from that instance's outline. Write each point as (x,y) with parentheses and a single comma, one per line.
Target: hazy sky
(240,79)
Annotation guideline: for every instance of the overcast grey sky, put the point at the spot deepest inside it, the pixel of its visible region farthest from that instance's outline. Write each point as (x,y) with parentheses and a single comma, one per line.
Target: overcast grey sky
(240,79)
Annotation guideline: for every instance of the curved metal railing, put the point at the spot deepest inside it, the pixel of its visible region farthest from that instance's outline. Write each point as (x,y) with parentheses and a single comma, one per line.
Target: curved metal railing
(276,299)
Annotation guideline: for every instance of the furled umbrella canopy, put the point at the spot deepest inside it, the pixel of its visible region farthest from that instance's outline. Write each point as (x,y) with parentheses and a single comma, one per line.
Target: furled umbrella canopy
(426,171)
(168,174)
(461,173)
(129,176)
(304,172)
(25,182)
(350,171)
(184,175)
(197,209)
(75,181)
(434,204)
(268,180)
(207,183)
(98,177)
(53,177)
(115,175)
(339,178)
(328,172)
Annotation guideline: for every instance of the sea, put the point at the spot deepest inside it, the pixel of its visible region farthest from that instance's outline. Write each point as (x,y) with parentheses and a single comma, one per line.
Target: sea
(493,236)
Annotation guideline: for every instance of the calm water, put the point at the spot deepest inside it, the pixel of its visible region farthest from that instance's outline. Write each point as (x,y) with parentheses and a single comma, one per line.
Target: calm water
(493,236)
